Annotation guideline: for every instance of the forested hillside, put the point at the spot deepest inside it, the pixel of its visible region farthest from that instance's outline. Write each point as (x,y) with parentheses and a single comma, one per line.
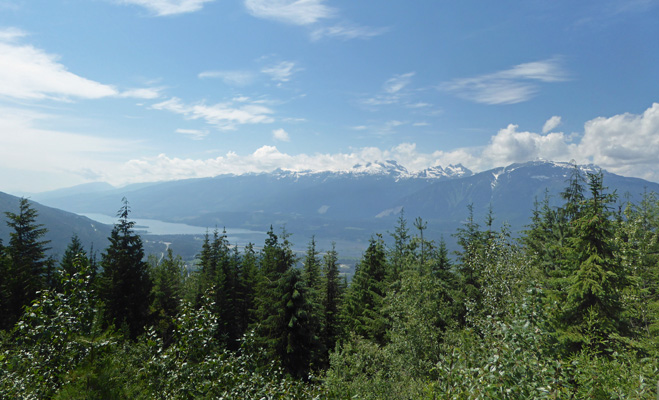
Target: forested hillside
(569,310)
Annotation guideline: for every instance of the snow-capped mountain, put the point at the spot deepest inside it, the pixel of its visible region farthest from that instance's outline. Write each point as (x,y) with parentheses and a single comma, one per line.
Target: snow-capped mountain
(348,205)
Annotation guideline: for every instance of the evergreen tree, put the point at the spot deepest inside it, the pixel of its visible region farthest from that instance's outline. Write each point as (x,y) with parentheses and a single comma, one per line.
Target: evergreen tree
(248,281)
(591,314)
(167,276)
(364,298)
(295,341)
(28,267)
(401,249)
(332,295)
(125,285)
(311,272)
(276,259)
(5,288)
(73,257)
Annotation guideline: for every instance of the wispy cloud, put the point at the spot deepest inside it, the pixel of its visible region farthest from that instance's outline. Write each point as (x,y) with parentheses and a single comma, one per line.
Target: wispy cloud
(394,92)
(514,85)
(225,116)
(30,73)
(282,71)
(194,134)
(48,158)
(296,12)
(10,34)
(551,124)
(142,93)
(169,7)
(281,135)
(347,31)
(234,78)
(398,82)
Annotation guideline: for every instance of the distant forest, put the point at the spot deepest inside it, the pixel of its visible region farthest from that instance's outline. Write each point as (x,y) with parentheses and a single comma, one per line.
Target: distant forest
(567,310)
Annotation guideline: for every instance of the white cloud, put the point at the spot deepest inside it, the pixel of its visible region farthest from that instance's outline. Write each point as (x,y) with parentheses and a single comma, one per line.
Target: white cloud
(296,12)
(142,93)
(510,146)
(194,134)
(281,72)
(30,73)
(225,116)
(397,83)
(514,85)
(46,159)
(347,32)
(169,7)
(281,135)
(551,124)
(627,143)
(11,34)
(234,78)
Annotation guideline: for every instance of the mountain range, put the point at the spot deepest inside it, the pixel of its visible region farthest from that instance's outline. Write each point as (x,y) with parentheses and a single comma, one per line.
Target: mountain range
(346,207)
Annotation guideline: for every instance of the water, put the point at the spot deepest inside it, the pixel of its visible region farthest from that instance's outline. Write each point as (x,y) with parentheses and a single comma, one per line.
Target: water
(157,227)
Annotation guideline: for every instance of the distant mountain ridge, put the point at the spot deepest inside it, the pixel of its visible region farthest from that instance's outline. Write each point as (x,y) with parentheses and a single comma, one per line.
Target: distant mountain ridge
(346,206)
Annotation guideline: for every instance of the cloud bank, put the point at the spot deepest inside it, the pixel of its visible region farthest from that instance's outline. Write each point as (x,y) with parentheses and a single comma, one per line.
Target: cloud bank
(626,144)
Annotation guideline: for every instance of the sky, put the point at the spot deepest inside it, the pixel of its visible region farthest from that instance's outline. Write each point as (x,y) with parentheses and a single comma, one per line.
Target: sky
(126,91)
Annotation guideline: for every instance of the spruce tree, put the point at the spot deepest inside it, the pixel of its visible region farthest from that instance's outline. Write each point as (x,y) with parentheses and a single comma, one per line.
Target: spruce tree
(73,257)
(125,285)
(332,294)
(592,312)
(167,276)
(364,298)
(28,266)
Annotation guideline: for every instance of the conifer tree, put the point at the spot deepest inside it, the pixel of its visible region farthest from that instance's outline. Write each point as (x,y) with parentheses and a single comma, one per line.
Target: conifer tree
(28,266)
(125,285)
(364,298)
(295,340)
(167,293)
(592,312)
(276,259)
(332,294)
(73,257)
(401,249)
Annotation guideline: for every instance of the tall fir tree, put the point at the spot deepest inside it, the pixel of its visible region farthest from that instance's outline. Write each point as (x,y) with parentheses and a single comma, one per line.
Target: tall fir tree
(167,275)
(28,267)
(331,300)
(592,313)
(362,311)
(74,258)
(125,284)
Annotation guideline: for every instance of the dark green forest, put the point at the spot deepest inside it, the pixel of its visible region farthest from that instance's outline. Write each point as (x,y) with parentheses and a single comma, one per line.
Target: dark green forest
(568,309)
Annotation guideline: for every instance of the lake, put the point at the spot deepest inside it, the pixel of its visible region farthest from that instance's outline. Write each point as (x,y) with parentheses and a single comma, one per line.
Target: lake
(157,227)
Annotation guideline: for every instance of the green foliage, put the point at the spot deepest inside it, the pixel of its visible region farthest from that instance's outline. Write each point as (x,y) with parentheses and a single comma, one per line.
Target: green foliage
(125,284)
(27,270)
(361,313)
(168,277)
(57,333)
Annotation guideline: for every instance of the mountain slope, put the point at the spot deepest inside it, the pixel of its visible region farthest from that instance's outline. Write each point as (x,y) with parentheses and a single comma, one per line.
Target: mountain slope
(61,226)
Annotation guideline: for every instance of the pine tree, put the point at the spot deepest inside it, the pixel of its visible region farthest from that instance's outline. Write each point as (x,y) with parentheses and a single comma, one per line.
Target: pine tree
(591,314)
(401,249)
(364,298)
(73,259)
(332,294)
(276,259)
(167,276)
(27,272)
(125,285)
(295,341)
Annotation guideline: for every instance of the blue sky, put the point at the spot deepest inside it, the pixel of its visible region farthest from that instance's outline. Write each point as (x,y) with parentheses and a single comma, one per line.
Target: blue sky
(128,91)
